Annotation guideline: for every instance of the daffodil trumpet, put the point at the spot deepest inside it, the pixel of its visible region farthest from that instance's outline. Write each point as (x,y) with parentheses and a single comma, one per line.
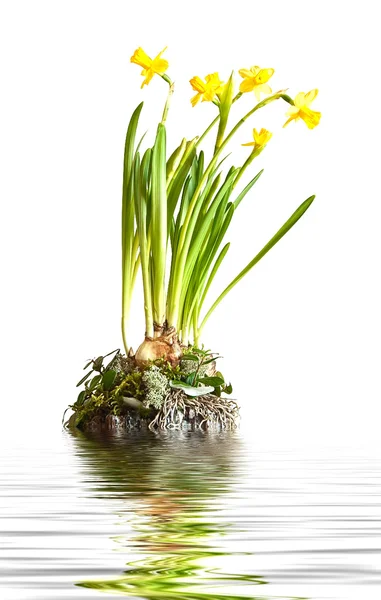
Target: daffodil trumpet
(176,210)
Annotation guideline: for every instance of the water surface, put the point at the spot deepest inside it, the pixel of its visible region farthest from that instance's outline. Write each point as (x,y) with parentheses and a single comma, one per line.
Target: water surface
(190,516)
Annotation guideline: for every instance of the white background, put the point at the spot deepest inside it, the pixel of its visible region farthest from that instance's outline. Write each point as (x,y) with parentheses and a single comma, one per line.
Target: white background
(300,336)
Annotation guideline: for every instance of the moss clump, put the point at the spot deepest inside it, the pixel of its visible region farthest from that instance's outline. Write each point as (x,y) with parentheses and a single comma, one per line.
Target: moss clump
(188,368)
(156,386)
(122,364)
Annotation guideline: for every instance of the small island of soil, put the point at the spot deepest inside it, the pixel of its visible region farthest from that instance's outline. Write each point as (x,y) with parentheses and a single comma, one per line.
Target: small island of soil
(123,395)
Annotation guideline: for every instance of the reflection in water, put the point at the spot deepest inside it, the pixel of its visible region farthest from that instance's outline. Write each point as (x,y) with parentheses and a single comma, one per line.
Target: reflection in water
(168,483)
(187,516)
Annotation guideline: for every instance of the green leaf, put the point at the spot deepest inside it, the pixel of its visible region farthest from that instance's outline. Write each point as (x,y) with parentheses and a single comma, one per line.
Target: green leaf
(178,179)
(213,381)
(108,379)
(128,262)
(190,357)
(274,240)
(241,196)
(94,382)
(226,98)
(108,366)
(130,142)
(140,181)
(159,224)
(81,397)
(228,389)
(213,272)
(219,374)
(84,378)
(63,417)
(174,160)
(112,352)
(201,232)
(98,363)
(210,360)
(178,382)
(190,390)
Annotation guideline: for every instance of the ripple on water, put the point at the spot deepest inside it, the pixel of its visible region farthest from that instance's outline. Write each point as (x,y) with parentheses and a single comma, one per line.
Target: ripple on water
(189,516)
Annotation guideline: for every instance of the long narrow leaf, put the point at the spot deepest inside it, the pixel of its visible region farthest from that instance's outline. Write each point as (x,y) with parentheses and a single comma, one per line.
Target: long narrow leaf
(140,175)
(128,223)
(241,196)
(159,224)
(274,240)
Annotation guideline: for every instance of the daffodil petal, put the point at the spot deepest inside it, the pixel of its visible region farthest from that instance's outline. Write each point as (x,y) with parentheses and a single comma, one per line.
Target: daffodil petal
(264,75)
(292,118)
(195,99)
(266,89)
(247,85)
(245,73)
(257,92)
(162,52)
(293,110)
(310,96)
(299,100)
(149,74)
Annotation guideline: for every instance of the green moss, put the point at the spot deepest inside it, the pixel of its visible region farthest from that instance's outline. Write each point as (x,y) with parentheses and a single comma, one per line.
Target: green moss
(156,385)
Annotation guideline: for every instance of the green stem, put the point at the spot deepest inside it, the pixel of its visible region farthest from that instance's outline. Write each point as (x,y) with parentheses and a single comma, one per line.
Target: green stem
(256,152)
(252,111)
(195,326)
(212,124)
(201,138)
(168,102)
(124,333)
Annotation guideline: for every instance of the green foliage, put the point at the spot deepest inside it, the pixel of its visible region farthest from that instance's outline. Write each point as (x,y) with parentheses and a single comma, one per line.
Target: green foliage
(103,393)
(198,368)
(105,386)
(178,211)
(97,365)
(108,379)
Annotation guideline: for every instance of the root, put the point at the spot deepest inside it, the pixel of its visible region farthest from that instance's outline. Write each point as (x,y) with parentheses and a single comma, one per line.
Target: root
(204,411)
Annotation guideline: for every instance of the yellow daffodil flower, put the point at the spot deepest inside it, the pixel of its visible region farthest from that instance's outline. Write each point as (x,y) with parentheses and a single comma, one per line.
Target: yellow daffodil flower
(302,110)
(255,79)
(260,138)
(206,90)
(150,66)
